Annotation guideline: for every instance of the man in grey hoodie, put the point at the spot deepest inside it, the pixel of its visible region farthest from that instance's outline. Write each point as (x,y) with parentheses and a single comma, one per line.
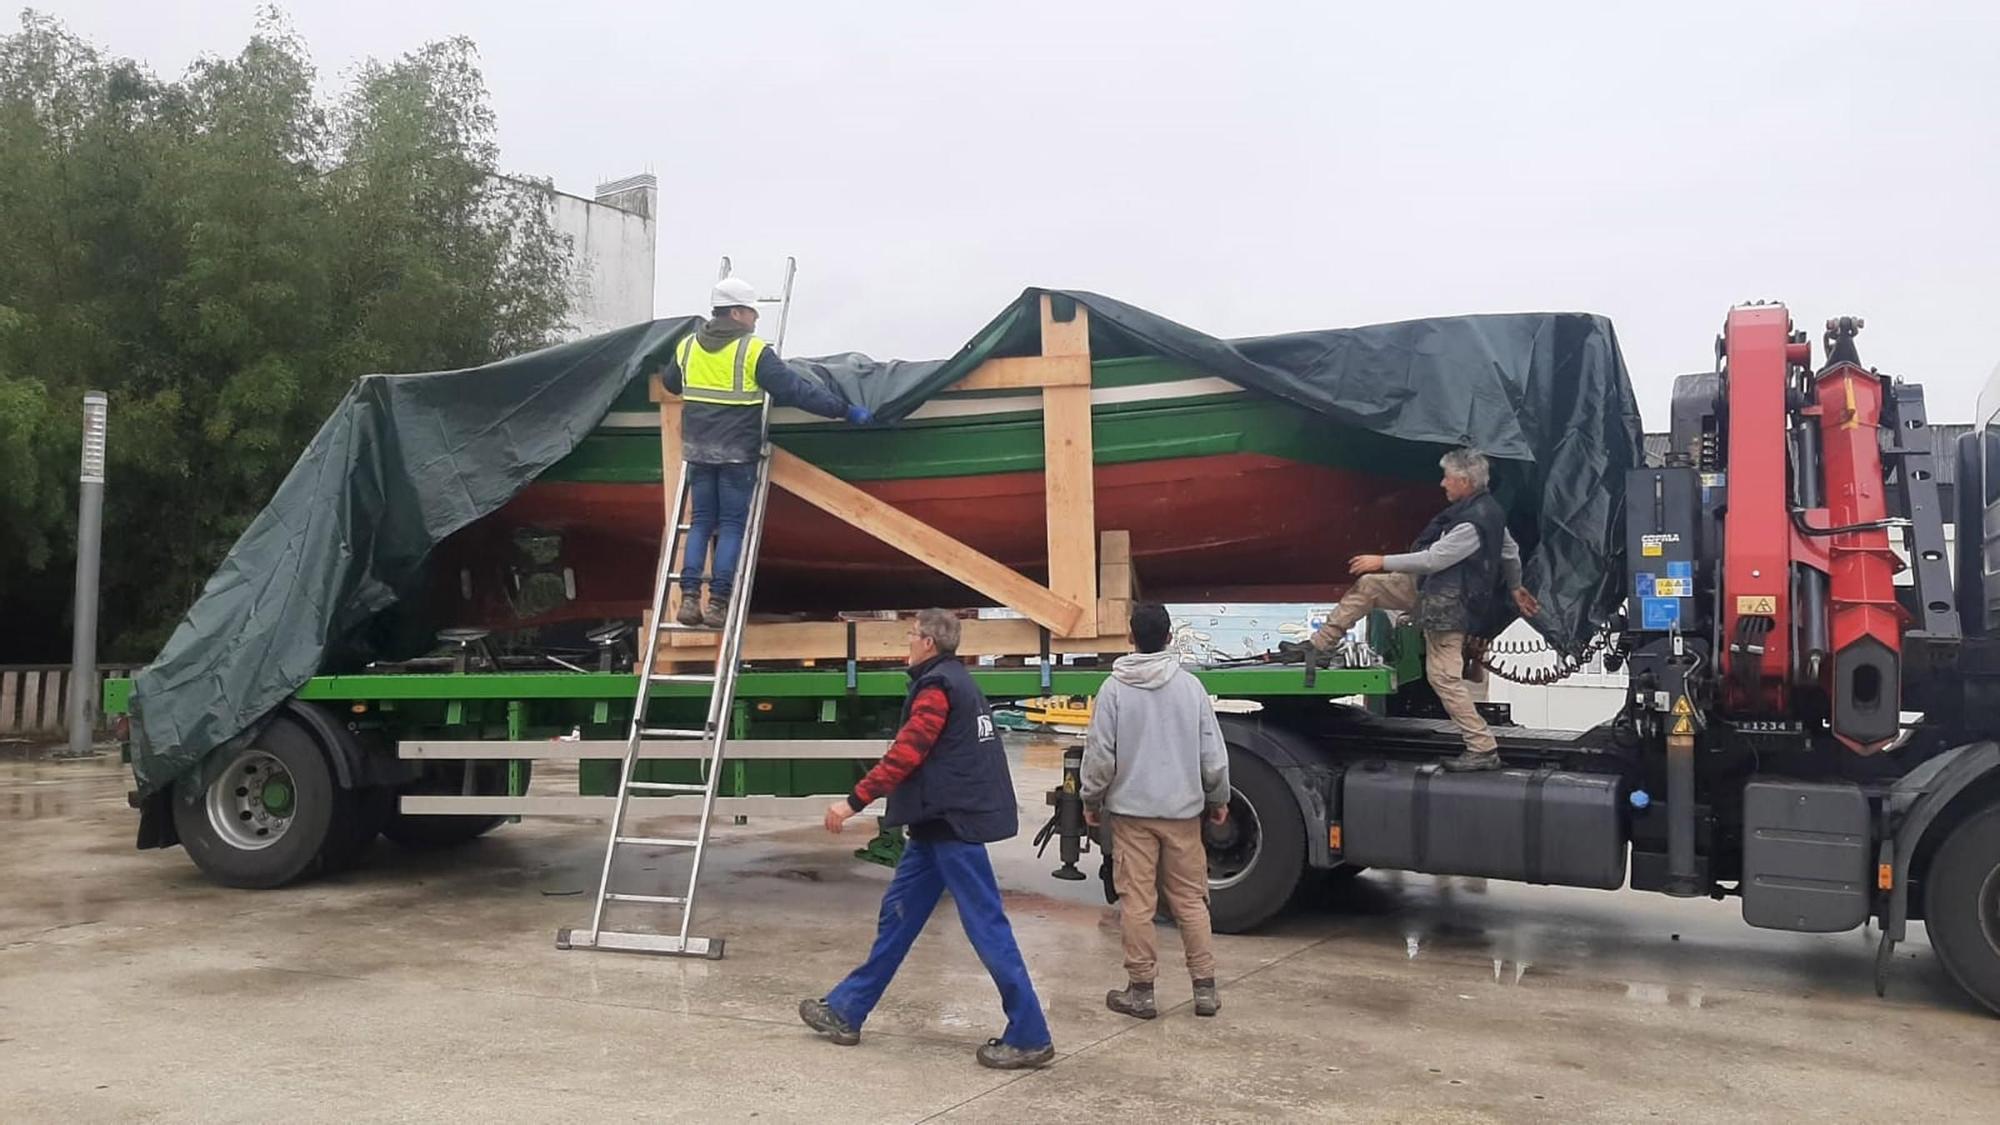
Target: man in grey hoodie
(1155,761)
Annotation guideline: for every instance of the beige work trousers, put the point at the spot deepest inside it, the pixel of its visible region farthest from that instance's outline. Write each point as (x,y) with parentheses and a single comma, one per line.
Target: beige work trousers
(1444,653)
(1149,854)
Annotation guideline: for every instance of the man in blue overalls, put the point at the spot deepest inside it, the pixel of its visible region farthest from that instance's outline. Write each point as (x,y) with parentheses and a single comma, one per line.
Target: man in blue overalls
(946,779)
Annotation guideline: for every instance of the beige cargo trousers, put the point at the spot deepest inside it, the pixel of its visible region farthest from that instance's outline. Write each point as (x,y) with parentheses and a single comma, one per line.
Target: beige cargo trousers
(1444,653)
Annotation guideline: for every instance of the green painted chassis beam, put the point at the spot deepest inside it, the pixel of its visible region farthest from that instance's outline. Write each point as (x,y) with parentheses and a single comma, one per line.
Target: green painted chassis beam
(1008,683)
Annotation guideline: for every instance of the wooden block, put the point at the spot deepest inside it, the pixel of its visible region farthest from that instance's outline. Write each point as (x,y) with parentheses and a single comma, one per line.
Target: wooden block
(1115,547)
(1114,617)
(1070,337)
(10,690)
(1065,616)
(1114,580)
(1015,372)
(1070,494)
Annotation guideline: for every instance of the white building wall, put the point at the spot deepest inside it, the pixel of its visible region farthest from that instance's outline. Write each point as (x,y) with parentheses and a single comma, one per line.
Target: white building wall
(613,239)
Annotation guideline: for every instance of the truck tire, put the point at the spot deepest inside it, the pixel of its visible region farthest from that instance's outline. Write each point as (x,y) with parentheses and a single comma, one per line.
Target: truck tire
(1257,858)
(426,832)
(261,816)
(1962,905)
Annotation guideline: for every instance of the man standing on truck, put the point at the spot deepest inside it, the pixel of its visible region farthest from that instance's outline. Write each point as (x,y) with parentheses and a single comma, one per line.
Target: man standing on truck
(722,372)
(1155,761)
(1450,579)
(946,779)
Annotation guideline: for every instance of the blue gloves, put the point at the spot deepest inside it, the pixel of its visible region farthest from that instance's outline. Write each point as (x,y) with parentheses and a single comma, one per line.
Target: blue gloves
(858,415)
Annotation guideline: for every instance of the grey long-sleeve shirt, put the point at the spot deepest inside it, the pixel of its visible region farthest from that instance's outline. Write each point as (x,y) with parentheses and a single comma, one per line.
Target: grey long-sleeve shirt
(1456,546)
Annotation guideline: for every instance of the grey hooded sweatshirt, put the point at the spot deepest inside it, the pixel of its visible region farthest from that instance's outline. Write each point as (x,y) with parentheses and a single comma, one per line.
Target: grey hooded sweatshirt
(1154,748)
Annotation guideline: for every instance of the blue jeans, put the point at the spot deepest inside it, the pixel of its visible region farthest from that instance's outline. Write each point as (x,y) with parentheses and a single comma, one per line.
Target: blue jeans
(721,496)
(927,870)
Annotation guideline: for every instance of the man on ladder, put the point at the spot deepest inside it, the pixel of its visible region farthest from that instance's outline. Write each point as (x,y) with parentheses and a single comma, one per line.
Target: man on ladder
(722,372)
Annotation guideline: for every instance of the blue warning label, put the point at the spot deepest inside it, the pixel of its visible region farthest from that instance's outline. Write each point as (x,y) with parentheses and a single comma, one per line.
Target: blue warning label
(1642,584)
(1659,613)
(1680,570)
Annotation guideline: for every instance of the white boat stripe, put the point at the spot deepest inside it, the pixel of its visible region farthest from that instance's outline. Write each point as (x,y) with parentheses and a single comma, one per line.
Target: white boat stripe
(947,406)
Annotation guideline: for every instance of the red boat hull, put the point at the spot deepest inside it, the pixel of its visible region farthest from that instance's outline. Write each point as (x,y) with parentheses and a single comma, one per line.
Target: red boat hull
(1234,527)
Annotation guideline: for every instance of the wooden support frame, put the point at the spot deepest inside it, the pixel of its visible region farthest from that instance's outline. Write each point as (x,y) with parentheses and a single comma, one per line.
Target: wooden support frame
(1088,599)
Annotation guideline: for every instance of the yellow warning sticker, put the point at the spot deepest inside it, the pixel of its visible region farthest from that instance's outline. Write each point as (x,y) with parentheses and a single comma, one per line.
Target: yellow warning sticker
(1683,725)
(1757,603)
(1673,587)
(1651,550)
(1682,707)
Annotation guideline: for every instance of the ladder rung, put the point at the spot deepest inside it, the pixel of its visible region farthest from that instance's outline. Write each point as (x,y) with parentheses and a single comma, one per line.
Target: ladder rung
(683,678)
(677,627)
(655,842)
(657,900)
(672,732)
(666,787)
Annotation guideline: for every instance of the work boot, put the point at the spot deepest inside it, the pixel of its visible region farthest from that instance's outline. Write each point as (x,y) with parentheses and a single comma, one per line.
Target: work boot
(717,613)
(1473,760)
(996,1055)
(1135,1000)
(690,614)
(1206,1001)
(827,1022)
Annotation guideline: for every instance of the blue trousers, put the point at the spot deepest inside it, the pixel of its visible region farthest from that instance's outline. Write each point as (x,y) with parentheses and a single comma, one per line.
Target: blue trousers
(721,497)
(927,870)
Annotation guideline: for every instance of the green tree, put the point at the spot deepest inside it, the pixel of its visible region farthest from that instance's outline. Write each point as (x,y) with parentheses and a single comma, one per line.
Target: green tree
(224,253)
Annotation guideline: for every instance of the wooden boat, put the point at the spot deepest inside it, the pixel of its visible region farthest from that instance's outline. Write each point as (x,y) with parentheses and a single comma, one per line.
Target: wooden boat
(1227,495)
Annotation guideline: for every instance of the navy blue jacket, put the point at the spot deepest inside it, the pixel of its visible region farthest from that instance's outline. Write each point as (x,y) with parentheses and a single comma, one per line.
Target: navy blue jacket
(964,781)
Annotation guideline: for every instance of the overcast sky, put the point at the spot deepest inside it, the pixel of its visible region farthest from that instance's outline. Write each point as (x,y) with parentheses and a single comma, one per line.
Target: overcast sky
(1248,168)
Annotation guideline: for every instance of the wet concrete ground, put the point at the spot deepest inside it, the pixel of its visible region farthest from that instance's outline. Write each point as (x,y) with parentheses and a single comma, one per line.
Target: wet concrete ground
(426,987)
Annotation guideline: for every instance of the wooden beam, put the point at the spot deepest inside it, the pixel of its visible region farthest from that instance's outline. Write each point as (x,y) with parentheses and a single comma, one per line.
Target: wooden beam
(1063,616)
(1070,493)
(670,469)
(885,640)
(1069,488)
(1028,371)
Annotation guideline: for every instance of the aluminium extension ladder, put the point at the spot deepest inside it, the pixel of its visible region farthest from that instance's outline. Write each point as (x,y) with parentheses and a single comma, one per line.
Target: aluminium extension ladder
(714,731)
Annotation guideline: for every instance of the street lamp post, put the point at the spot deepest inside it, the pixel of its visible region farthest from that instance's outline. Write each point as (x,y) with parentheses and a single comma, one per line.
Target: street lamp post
(89,540)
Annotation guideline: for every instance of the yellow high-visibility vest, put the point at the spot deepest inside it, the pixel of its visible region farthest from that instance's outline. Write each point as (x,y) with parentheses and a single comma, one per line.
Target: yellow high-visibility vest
(724,378)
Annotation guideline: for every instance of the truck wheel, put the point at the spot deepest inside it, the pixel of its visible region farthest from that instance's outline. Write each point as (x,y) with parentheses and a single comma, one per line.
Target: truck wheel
(1256,858)
(423,832)
(260,816)
(1962,906)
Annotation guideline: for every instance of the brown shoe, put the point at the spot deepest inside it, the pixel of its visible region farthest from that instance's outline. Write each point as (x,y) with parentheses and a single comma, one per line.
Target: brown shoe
(717,614)
(1206,1001)
(996,1055)
(1472,761)
(690,614)
(821,1017)
(1135,1000)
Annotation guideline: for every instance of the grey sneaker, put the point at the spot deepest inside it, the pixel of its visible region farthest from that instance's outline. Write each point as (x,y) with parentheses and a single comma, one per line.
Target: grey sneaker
(690,614)
(995,1055)
(1206,1001)
(717,613)
(827,1022)
(1472,761)
(1135,1000)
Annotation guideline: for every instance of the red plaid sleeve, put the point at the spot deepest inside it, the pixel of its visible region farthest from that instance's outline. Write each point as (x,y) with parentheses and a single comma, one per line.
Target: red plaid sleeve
(912,743)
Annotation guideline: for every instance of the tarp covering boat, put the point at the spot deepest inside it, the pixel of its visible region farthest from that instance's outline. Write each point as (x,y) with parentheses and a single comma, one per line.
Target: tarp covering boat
(405,461)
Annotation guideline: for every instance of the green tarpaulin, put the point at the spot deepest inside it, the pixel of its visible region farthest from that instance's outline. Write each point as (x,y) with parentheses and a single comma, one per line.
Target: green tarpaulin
(406,460)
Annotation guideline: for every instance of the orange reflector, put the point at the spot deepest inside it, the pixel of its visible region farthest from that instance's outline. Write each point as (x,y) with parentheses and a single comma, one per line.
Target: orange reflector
(1333,836)
(1885,877)
(765,706)
(359,708)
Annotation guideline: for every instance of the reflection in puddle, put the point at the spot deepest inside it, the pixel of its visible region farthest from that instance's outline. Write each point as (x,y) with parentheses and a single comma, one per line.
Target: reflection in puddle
(1662,995)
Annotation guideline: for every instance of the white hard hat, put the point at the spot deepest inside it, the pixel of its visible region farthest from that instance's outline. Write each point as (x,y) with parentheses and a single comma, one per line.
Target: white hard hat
(733,291)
